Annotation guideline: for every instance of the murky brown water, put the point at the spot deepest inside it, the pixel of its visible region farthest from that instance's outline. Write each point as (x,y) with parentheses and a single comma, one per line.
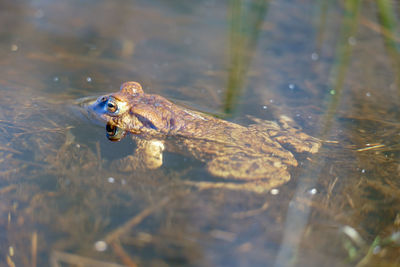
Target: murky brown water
(333,67)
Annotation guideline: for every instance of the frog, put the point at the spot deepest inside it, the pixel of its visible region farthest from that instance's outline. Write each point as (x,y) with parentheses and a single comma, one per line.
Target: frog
(255,157)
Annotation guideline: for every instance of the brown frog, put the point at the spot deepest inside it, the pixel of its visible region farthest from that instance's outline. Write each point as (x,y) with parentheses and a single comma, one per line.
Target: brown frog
(249,158)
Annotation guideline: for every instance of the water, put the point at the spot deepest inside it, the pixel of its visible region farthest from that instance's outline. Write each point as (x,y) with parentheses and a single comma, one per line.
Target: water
(333,67)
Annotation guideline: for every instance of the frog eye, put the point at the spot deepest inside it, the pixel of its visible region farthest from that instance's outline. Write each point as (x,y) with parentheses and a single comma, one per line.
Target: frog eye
(112,107)
(103,99)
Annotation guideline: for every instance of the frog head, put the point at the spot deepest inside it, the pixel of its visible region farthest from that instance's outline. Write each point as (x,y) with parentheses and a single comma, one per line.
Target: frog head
(129,109)
(116,104)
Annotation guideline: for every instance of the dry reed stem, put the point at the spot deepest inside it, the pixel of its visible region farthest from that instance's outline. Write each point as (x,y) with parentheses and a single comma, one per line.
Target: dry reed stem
(114,235)
(34,248)
(125,258)
(58,256)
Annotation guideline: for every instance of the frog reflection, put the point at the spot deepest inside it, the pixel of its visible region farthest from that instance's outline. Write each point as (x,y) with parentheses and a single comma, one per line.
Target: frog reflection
(244,158)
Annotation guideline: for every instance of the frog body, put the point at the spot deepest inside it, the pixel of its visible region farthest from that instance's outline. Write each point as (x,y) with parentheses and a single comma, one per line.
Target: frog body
(250,157)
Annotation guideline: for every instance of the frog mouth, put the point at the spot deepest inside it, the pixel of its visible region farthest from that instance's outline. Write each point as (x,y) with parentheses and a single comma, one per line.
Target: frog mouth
(114,133)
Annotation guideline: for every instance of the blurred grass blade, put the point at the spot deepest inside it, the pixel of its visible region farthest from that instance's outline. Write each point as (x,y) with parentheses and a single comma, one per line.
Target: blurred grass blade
(342,60)
(246,18)
(322,23)
(388,24)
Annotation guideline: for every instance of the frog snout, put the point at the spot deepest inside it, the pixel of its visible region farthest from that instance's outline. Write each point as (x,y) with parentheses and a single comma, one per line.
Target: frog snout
(89,108)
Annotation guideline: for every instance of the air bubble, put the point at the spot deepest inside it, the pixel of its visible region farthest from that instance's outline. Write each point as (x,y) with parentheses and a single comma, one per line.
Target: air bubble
(314,56)
(313,191)
(352,40)
(14,48)
(100,246)
(274,191)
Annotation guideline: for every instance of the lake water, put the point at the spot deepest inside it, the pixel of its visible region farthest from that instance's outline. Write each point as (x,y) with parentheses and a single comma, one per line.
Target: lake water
(331,66)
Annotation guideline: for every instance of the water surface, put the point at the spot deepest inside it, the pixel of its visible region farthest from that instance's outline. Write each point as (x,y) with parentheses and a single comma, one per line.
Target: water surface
(332,66)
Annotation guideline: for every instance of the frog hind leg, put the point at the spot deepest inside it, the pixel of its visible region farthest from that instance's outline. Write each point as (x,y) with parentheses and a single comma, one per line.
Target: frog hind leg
(294,137)
(259,186)
(288,133)
(250,174)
